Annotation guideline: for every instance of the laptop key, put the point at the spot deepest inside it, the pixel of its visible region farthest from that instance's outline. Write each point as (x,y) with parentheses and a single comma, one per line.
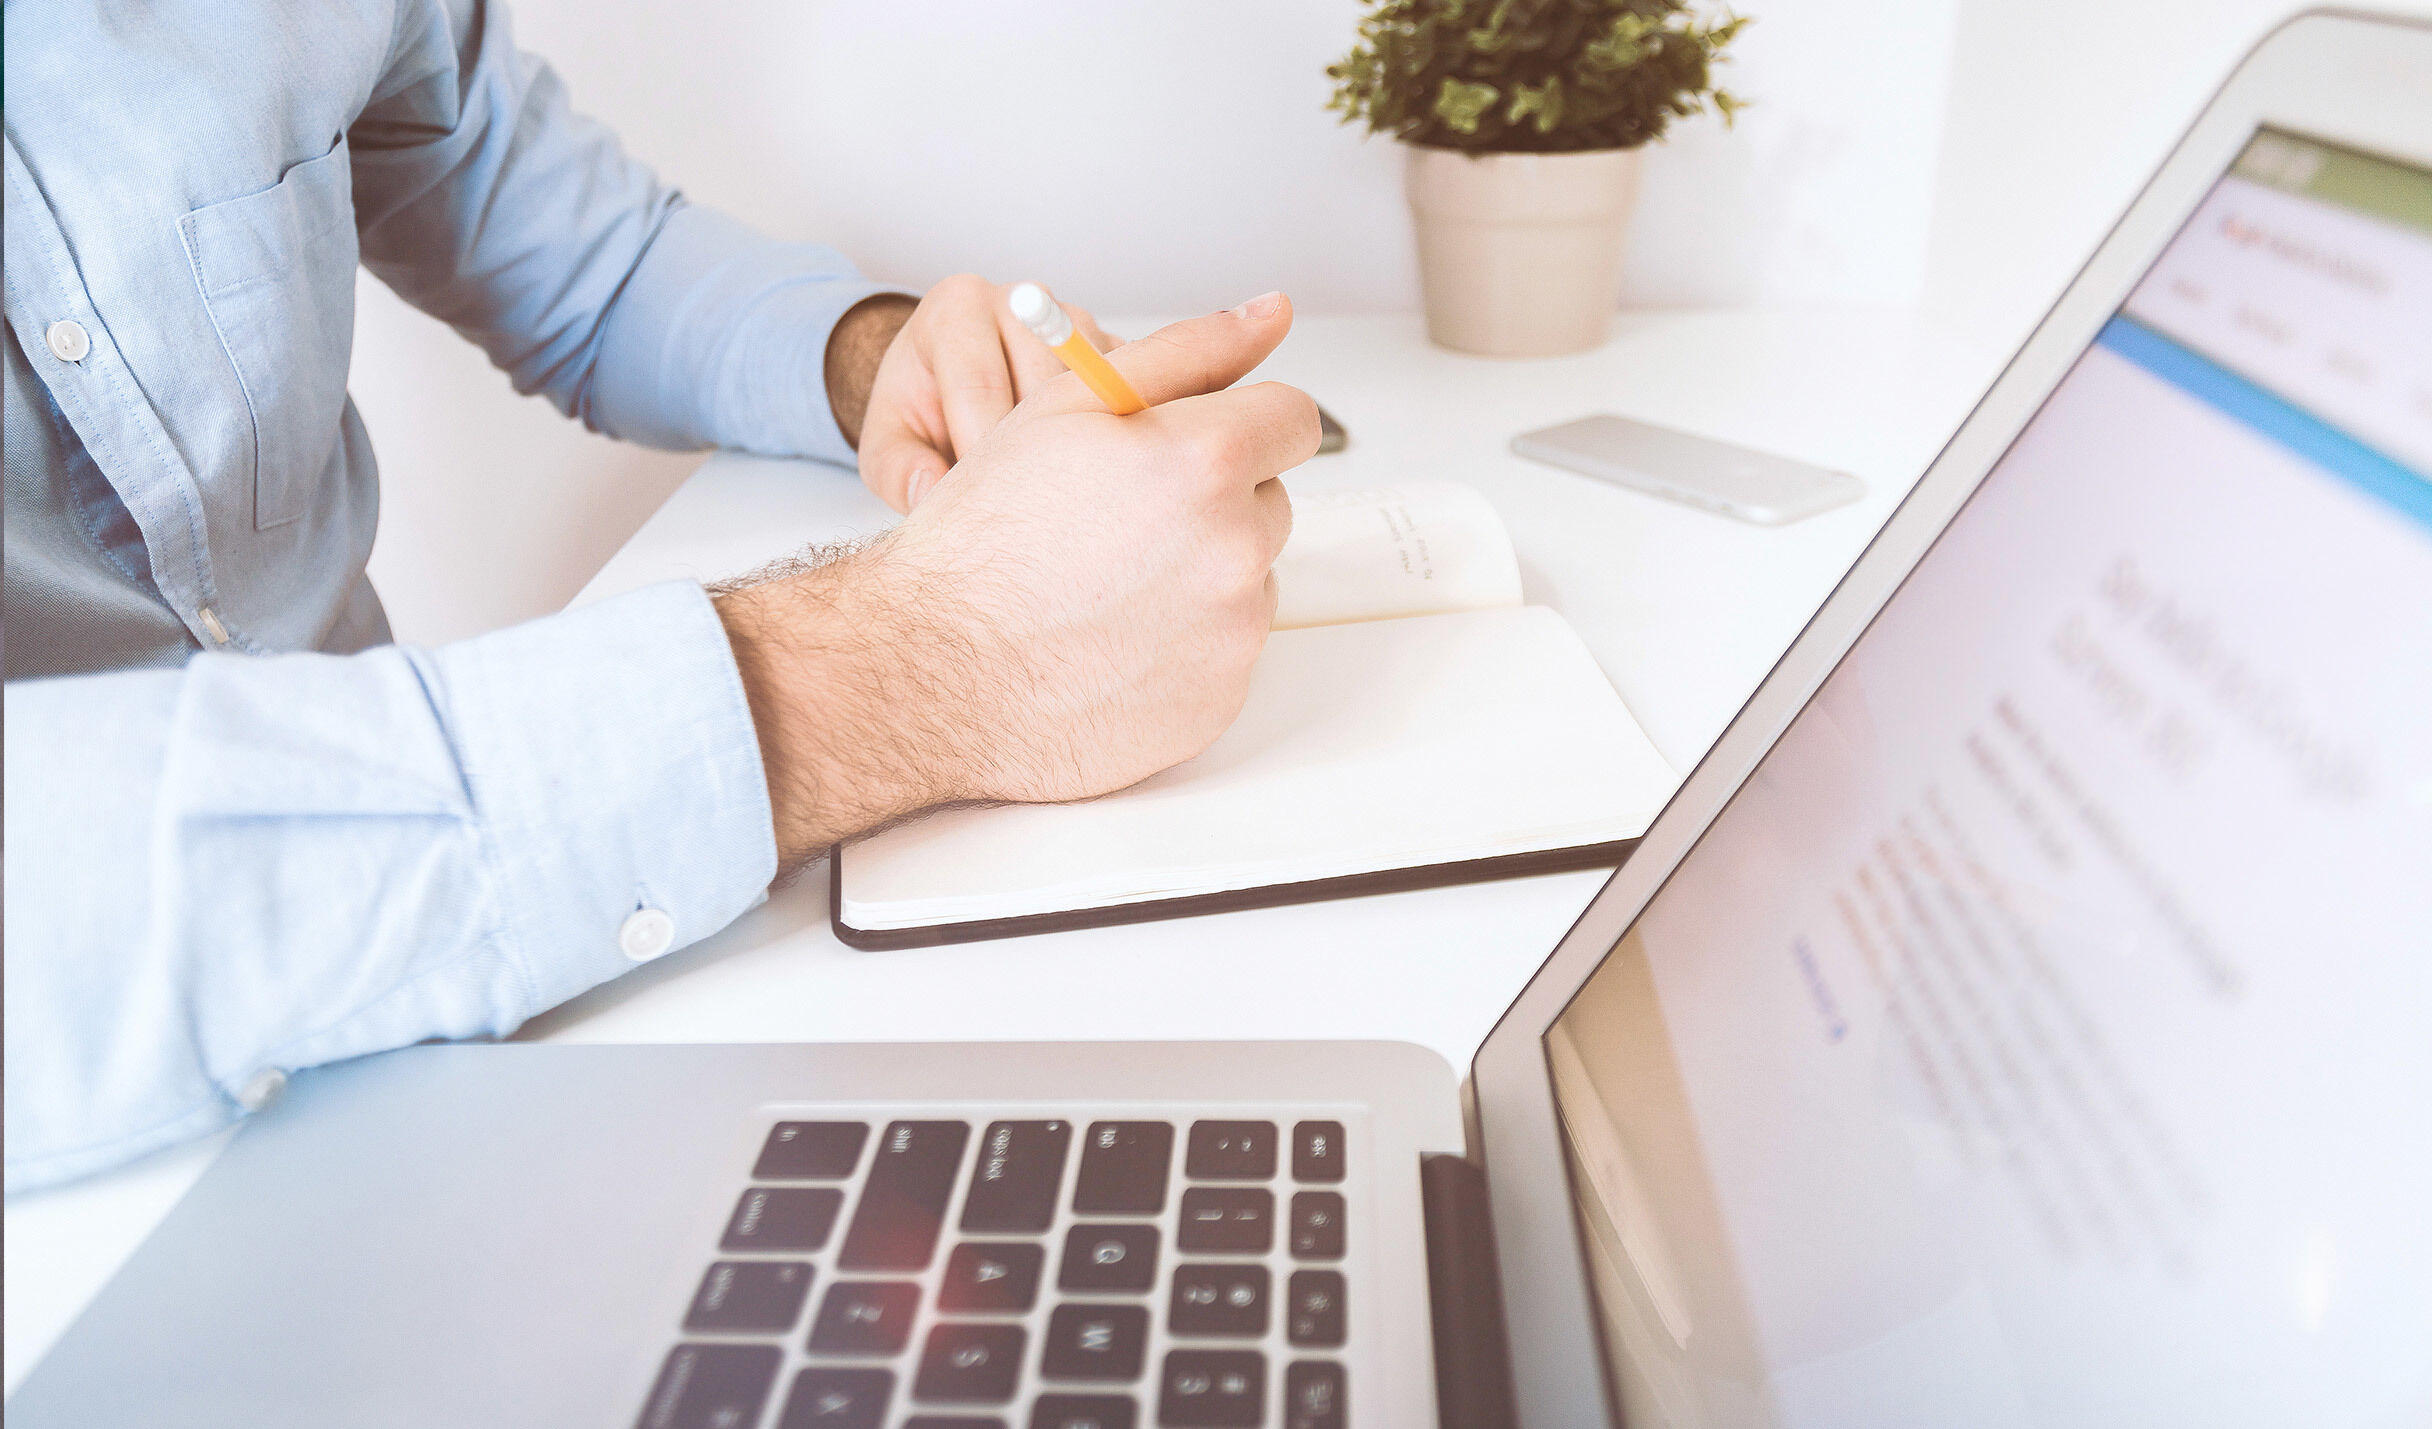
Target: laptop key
(1231,1151)
(1102,1342)
(1315,1395)
(1317,1225)
(1218,1300)
(1021,1168)
(1083,1411)
(969,1364)
(953,1421)
(743,1297)
(1212,1389)
(861,1317)
(1317,1151)
(988,1276)
(1123,1168)
(1313,1308)
(711,1387)
(1109,1258)
(903,1203)
(1227,1218)
(810,1151)
(782,1218)
(824,1398)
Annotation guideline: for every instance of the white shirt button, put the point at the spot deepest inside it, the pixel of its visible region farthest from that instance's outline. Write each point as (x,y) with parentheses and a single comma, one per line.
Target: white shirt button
(646,934)
(68,340)
(260,1088)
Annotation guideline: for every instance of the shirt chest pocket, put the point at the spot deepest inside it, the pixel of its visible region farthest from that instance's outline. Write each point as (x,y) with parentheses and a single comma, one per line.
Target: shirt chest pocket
(277,270)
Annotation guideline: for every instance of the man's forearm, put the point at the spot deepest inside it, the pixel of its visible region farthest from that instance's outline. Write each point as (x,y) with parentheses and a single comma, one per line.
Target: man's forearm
(850,684)
(855,345)
(1078,609)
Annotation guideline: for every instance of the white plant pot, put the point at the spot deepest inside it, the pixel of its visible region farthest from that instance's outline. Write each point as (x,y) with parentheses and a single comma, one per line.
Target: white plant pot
(1520,254)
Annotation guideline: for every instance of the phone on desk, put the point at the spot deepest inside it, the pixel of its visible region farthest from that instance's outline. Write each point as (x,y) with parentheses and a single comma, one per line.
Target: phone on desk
(1331,436)
(1751,485)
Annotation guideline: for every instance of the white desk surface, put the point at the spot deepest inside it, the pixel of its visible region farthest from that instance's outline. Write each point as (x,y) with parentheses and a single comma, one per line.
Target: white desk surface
(1686,611)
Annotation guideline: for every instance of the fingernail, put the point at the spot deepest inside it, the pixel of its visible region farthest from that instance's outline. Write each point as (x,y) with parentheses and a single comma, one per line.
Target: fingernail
(918,487)
(1262,306)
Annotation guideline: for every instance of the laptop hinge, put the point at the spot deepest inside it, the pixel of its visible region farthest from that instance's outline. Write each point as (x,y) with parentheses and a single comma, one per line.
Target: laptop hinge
(1473,1360)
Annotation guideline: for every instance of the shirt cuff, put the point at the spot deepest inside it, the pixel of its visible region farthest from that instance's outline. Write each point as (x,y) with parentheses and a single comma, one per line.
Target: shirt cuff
(720,337)
(612,756)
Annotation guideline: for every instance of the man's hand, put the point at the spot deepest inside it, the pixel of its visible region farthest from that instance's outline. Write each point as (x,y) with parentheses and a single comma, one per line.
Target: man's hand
(958,364)
(1075,609)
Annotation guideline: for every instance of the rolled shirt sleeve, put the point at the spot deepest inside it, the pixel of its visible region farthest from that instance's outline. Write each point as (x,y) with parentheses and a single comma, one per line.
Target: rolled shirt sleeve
(720,338)
(483,198)
(254,864)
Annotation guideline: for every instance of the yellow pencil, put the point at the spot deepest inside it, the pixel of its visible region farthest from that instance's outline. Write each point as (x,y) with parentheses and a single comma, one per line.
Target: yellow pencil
(1046,317)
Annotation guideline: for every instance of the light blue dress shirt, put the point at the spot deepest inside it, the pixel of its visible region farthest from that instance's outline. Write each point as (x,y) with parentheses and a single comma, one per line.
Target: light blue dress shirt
(244,834)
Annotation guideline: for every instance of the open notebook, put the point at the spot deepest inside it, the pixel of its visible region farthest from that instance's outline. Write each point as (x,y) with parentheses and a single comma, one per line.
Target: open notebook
(1410,723)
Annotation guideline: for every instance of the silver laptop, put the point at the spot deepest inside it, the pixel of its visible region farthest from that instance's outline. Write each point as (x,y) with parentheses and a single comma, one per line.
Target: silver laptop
(2020,1017)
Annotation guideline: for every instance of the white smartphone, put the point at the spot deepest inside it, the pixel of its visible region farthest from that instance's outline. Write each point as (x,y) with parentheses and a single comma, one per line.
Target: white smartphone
(1751,485)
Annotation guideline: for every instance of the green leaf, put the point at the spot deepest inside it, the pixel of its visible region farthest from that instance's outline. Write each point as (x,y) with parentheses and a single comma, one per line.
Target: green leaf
(1623,44)
(1461,106)
(1541,103)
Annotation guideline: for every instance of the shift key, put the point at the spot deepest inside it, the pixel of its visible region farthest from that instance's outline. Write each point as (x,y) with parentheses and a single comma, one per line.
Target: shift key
(903,1203)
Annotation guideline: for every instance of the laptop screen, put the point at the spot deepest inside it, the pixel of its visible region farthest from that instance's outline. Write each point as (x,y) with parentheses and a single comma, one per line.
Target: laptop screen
(2043,1033)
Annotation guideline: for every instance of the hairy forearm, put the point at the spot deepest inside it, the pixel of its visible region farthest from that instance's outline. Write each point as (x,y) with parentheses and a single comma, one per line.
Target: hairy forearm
(847,675)
(1079,608)
(855,345)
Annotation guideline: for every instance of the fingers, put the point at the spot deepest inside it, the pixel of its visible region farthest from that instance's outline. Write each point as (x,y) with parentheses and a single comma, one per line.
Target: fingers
(1246,435)
(1189,358)
(965,361)
(966,348)
(1088,325)
(1274,513)
(1033,364)
(898,462)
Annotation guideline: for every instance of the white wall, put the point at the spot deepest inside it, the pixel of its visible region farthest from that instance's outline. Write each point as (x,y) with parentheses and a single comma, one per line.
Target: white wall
(1141,155)
(2059,112)
(1163,156)
(1822,192)
(1158,155)
(493,508)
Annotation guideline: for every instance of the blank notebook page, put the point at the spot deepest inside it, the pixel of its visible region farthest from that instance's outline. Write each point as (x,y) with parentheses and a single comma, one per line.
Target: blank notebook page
(1362,748)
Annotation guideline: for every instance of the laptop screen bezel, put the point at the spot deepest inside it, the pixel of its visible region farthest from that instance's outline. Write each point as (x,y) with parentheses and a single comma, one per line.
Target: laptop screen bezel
(2342,77)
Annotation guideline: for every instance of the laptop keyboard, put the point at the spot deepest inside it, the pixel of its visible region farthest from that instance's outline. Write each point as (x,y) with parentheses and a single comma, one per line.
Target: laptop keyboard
(1015,1280)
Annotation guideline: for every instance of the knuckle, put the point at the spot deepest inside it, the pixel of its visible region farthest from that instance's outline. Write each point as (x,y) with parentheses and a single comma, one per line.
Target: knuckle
(1219,448)
(1298,410)
(1238,560)
(1250,561)
(976,380)
(1258,612)
(1258,575)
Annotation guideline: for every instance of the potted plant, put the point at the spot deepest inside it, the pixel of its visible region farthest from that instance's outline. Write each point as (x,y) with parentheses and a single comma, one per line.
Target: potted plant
(1522,121)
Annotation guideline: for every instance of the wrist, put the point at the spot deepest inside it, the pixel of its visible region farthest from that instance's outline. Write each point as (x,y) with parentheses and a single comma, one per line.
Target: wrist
(856,345)
(841,709)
